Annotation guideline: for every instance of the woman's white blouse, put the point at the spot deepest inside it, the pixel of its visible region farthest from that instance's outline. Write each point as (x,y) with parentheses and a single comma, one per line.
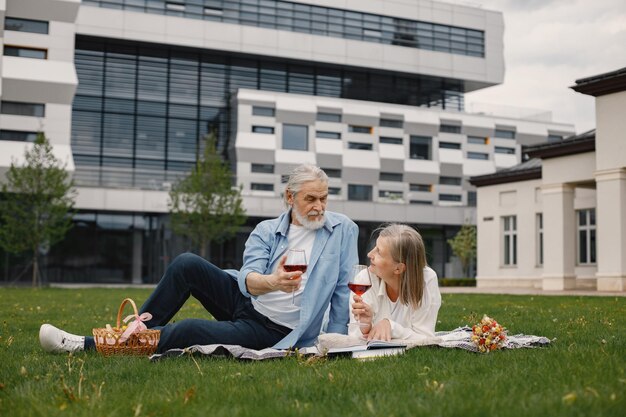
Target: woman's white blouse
(407,322)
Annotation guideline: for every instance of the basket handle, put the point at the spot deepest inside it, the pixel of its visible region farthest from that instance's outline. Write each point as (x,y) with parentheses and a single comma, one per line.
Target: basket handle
(121,310)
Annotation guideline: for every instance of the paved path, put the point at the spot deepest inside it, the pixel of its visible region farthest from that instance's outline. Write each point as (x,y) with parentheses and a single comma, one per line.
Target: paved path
(528,291)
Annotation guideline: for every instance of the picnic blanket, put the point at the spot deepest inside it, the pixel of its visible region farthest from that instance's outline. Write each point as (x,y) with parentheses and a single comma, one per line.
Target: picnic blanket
(459,338)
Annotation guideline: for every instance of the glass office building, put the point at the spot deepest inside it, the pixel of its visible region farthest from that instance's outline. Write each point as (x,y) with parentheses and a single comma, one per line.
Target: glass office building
(127,90)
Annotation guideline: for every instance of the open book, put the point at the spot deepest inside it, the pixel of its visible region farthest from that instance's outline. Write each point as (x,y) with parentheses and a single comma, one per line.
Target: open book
(371,349)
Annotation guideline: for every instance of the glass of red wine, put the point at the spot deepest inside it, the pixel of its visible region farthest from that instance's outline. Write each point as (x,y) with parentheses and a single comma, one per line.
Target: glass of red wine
(360,282)
(296,261)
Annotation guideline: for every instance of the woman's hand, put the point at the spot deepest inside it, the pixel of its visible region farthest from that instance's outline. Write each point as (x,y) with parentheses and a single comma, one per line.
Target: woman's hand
(363,313)
(380,331)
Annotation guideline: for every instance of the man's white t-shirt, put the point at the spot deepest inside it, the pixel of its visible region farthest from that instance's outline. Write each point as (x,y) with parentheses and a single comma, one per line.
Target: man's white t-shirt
(276,305)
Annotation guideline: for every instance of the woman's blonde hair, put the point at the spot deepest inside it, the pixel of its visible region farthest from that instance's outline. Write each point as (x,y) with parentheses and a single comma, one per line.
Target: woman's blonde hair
(407,247)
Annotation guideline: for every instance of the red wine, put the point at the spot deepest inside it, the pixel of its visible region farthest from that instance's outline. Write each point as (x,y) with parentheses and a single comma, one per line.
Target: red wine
(359,289)
(292,268)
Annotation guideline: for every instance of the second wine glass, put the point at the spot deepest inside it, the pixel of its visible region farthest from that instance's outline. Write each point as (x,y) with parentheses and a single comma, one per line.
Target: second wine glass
(296,261)
(360,282)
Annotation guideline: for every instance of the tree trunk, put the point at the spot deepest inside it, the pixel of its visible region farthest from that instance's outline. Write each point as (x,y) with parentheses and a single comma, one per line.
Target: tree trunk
(35,270)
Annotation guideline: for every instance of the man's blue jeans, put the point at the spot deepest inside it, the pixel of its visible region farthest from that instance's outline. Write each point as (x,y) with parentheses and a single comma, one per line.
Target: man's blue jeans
(236,321)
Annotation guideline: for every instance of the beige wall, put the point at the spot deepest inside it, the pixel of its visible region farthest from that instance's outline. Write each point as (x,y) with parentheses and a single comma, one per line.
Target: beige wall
(611,131)
(523,199)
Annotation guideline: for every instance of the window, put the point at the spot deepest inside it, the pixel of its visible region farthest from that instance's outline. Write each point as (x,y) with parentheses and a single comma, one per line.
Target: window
(539,225)
(587,236)
(329,117)
(449,145)
(263,129)
(23,109)
(175,6)
(390,176)
(478,155)
(25,52)
(450,128)
(26,25)
(256,186)
(478,140)
(18,135)
(334,191)
(422,202)
(332,172)
(391,141)
(296,137)
(421,187)
(505,150)
(450,180)
(450,197)
(262,168)
(360,129)
(213,11)
(327,135)
(263,111)
(391,123)
(471,198)
(359,192)
(554,138)
(420,147)
(360,146)
(505,133)
(393,195)
(509,233)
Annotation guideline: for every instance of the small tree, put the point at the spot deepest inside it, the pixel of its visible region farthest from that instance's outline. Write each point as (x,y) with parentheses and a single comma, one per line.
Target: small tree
(464,246)
(37,204)
(204,205)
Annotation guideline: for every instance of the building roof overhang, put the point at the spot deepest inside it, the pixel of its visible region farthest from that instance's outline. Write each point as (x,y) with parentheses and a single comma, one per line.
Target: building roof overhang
(585,142)
(531,169)
(528,170)
(600,85)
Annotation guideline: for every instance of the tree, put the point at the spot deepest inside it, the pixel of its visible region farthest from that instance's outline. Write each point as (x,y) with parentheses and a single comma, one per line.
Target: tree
(464,246)
(204,205)
(37,205)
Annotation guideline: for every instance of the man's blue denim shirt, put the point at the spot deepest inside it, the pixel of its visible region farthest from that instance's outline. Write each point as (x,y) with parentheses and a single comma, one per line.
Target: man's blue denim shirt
(333,255)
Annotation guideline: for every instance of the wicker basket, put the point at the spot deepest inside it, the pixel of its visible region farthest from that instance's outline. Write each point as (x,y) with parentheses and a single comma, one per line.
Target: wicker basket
(141,343)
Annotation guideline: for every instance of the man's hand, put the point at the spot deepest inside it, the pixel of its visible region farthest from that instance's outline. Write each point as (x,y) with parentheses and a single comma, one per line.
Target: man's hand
(280,280)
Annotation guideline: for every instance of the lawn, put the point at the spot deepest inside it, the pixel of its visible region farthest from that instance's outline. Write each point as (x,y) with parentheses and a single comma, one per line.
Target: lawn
(582,373)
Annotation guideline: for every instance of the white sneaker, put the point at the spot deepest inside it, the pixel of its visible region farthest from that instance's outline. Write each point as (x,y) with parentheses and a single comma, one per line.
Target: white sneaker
(57,341)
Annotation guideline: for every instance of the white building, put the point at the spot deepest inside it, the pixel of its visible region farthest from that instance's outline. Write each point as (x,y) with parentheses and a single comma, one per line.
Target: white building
(558,221)
(370,90)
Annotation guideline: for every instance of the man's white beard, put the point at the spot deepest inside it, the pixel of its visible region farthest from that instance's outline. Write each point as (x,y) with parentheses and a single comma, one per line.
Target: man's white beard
(309,224)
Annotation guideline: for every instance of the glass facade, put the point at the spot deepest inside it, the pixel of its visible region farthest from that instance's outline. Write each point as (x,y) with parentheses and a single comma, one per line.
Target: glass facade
(141,110)
(316,20)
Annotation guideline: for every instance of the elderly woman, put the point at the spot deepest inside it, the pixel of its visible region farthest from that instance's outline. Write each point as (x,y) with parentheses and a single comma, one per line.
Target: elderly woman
(404,298)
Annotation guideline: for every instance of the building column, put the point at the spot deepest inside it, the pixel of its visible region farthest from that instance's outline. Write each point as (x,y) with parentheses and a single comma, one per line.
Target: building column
(137,255)
(611,229)
(559,234)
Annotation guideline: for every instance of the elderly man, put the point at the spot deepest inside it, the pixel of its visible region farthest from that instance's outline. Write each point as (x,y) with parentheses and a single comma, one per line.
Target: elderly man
(254,307)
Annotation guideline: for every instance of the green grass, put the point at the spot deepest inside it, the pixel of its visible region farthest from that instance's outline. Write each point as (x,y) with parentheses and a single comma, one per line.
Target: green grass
(580,374)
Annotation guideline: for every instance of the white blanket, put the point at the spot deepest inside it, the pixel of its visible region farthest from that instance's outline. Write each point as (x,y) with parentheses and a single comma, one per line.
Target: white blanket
(459,338)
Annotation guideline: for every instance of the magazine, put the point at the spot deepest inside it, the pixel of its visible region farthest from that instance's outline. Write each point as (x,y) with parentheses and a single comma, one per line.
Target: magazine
(371,349)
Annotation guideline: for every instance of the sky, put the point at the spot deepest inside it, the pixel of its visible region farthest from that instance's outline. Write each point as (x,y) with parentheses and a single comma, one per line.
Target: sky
(548,45)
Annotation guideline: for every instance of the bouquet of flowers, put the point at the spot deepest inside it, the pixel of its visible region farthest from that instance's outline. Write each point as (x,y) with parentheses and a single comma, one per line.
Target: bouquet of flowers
(488,335)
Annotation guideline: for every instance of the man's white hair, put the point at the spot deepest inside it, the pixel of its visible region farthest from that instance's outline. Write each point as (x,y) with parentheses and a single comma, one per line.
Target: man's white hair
(301,174)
